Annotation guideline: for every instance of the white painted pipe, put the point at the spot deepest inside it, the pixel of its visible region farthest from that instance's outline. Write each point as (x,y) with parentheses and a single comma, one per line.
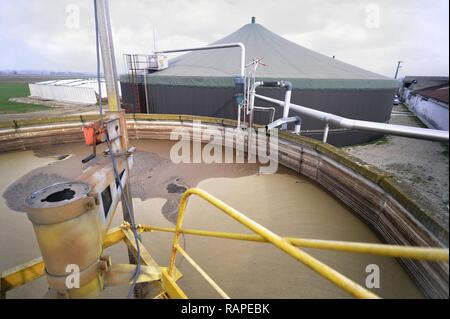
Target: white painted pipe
(287,104)
(342,122)
(215,47)
(239,117)
(325,133)
(253,94)
(287,97)
(287,101)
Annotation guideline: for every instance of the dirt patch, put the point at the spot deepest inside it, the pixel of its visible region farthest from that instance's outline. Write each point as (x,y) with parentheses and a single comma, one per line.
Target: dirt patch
(153,174)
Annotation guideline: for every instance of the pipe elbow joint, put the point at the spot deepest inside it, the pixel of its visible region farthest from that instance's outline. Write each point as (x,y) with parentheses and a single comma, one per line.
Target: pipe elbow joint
(241,45)
(255,86)
(287,85)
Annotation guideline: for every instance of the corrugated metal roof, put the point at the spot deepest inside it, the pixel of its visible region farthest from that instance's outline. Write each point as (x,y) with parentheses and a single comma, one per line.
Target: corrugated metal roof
(82,83)
(70,82)
(439,93)
(424,82)
(83,91)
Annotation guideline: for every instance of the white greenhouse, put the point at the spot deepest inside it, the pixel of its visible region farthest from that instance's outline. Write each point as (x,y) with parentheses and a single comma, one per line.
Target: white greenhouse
(82,91)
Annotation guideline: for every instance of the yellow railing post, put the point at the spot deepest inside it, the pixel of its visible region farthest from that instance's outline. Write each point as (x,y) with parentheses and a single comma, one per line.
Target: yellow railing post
(176,239)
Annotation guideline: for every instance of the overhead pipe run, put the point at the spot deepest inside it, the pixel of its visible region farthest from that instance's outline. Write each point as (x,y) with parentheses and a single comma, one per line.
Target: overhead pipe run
(215,47)
(342,122)
(239,80)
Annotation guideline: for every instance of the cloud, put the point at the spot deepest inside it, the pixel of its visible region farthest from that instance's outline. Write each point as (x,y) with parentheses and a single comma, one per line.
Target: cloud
(370,34)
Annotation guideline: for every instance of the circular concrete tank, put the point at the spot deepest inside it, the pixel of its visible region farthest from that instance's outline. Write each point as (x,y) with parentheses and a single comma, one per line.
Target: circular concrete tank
(371,194)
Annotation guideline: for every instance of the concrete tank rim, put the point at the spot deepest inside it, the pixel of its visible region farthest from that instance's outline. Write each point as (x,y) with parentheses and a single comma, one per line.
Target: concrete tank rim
(378,176)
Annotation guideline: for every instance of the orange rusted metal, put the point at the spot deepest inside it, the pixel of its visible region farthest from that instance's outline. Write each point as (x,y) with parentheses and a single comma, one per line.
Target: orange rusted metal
(94,134)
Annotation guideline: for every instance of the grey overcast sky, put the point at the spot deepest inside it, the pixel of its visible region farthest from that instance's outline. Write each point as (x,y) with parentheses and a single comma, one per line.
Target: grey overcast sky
(58,35)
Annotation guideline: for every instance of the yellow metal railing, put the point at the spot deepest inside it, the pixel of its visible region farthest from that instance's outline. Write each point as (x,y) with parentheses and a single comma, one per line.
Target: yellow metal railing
(422,253)
(288,245)
(34,269)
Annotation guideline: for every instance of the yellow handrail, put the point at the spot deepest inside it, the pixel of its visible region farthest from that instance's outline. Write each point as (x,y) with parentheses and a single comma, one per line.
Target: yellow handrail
(411,252)
(316,265)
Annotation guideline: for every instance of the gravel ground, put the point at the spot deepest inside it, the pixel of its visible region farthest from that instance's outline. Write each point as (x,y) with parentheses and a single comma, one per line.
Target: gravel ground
(422,166)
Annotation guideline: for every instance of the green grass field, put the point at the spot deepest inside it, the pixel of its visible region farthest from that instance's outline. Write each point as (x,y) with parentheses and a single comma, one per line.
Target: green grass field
(9,90)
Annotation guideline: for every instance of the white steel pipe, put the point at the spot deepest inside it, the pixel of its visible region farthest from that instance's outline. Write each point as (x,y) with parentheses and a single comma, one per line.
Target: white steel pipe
(287,103)
(342,122)
(215,47)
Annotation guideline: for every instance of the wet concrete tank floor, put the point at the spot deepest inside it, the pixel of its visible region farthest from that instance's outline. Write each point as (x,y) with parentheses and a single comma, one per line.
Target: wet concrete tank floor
(286,203)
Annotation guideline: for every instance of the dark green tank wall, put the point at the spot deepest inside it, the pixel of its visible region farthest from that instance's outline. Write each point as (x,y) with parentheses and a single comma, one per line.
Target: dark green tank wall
(361,104)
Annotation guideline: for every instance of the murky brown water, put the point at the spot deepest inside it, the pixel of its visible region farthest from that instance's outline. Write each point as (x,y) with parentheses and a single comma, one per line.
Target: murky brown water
(288,204)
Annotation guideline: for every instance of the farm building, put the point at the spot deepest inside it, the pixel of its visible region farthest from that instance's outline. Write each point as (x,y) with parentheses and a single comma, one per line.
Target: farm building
(202,83)
(427,97)
(82,91)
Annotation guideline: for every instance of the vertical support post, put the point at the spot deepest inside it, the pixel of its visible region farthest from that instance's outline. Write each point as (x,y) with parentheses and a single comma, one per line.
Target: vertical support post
(141,289)
(239,116)
(112,88)
(171,270)
(325,133)
(399,65)
(146,92)
(108,57)
(287,102)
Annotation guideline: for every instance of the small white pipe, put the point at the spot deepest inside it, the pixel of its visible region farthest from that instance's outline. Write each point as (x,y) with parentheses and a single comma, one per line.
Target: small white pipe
(287,97)
(287,104)
(253,94)
(325,133)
